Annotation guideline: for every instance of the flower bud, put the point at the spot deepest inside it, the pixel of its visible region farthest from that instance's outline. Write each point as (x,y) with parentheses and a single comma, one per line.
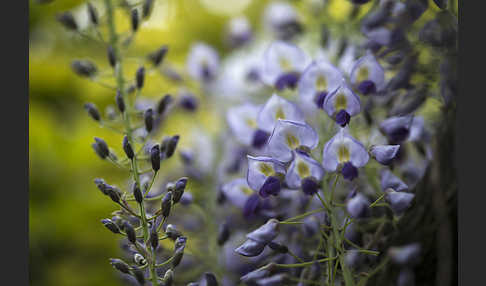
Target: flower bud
(131,235)
(278,247)
(134,19)
(155,157)
(258,273)
(111,56)
(265,233)
(171,146)
(158,56)
(148,117)
(67,20)
(275,280)
(114,194)
(208,279)
(166,204)
(140,77)
(177,258)
(163,104)
(92,111)
(405,255)
(139,275)
(147,8)
(120,102)
(223,233)
(137,193)
(101,147)
(93,14)
(180,243)
(84,68)
(172,232)
(168,277)
(120,265)
(128,148)
(109,224)
(139,259)
(100,183)
(154,237)
(250,248)
(179,188)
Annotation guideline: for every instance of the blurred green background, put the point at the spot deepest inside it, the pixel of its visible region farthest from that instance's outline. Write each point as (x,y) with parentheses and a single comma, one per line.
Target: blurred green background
(68,244)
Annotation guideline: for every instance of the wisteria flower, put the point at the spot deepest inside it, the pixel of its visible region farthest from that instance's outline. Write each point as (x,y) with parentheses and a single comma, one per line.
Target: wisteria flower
(265,175)
(277,108)
(398,201)
(342,104)
(367,75)
(304,172)
(357,205)
(282,65)
(202,62)
(384,154)
(404,128)
(239,32)
(389,180)
(243,123)
(282,19)
(318,80)
(345,152)
(238,193)
(288,136)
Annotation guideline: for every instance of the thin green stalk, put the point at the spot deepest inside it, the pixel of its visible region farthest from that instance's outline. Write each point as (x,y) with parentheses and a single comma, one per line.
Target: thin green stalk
(304,264)
(303,215)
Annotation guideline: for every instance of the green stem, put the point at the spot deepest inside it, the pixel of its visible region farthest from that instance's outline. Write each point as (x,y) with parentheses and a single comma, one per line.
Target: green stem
(304,264)
(303,215)
(377,200)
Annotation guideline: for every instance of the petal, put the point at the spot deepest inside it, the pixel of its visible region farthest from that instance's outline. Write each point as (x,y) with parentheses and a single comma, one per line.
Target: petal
(399,201)
(368,68)
(380,35)
(389,180)
(357,206)
(202,62)
(250,248)
(343,148)
(259,168)
(342,98)
(237,192)
(318,77)
(277,107)
(279,13)
(242,121)
(397,128)
(406,254)
(280,58)
(384,154)
(287,136)
(265,233)
(303,166)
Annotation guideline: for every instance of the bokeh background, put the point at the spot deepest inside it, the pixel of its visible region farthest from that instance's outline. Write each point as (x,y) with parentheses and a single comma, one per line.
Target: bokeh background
(68,244)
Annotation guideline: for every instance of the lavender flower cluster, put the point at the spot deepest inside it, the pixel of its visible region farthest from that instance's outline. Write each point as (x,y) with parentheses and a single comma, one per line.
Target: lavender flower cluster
(317,164)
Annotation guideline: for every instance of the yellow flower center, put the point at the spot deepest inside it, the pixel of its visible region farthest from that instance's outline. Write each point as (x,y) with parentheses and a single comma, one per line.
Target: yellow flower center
(266,169)
(363,74)
(246,190)
(292,141)
(341,102)
(279,114)
(303,169)
(343,154)
(285,65)
(321,83)
(251,122)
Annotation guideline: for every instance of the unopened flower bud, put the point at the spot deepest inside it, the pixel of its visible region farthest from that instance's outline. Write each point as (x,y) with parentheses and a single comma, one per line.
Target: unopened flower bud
(139,259)
(100,183)
(67,20)
(134,19)
(158,56)
(128,148)
(84,68)
(139,275)
(172,232)
(250,248)
(131,235)
(171,146)
(163,103)
(120,265)
(168,277)
(275,280)
(166,204)
(93,14)
(277,247)
(111,56)
(177,258)
(265,233)
(147,8)
(154,237)
(92,111)
(137,193)
(223,233)
(148,117)
(259,273)
(179,188)
(114,194)
(120,102)
(155,157)
(101,147)
(208,279)
(140,77)
(109,224)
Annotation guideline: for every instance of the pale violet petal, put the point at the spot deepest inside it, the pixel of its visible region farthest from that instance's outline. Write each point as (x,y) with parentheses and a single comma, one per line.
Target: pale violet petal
(389,180)
(242,121)
(384,154)
(280,58)
(199,56)
(277,107)
(342,98)
(237,192)
(259,168)
(303,166)
(372,68)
